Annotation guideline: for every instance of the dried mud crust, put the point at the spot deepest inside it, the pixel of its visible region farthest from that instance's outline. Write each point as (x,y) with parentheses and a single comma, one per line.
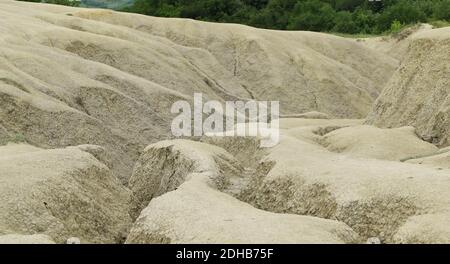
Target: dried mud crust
(163,169)
(417,94)
(183,180)
(61,193)
(368,218)
(168,169)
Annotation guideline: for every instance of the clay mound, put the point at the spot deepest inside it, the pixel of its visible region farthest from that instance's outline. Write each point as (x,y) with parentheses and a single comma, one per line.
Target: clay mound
(418,93)
(308,115)
(26,239)
(371,142)
(305,71)
(395,45)
(425,229)
(166,165)
(72,76)
(376,198)
(60,193)
(196,211)
(192,215)
(440,161)
(393,201)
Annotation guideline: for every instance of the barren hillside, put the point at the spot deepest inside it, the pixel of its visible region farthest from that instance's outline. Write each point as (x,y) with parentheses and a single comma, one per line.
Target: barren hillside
(419,92)
(86,151)
(72,76)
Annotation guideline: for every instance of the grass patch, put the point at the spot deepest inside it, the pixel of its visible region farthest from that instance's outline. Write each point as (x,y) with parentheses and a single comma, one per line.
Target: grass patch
(439,23)
(18,138)
(397,29)
(357,36)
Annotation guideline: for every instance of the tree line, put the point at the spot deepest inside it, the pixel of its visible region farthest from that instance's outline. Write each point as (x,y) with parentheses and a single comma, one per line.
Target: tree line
(343,16)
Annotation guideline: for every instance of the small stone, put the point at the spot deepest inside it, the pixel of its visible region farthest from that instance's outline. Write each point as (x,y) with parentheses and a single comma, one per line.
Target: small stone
(373,241)
(73,241)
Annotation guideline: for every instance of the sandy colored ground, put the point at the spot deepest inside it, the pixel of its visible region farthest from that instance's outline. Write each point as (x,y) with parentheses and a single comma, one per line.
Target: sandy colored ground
(24,239)
(61,193)
(86,149)
(72,76)
(374,196)
(418,93)
(192,208)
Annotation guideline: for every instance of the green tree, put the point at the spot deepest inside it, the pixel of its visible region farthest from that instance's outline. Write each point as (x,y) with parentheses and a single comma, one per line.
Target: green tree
(405,11)
(348,5)
(442,10)
(365,20)
(347,16)
(275,15)
(344,22)
(312,15)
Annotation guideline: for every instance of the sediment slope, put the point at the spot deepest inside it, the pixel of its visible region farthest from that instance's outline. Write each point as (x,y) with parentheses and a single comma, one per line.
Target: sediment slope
(419,92)
(189,207)
(72,76)
(89,90)
(26,239)
(61,193)
(375,197)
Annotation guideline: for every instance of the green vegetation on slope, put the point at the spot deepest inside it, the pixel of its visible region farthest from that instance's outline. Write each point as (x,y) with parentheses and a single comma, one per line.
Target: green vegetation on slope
(345,16)
(340,16)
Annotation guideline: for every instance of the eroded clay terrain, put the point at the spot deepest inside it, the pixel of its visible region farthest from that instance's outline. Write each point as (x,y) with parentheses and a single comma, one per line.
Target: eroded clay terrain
(86,151)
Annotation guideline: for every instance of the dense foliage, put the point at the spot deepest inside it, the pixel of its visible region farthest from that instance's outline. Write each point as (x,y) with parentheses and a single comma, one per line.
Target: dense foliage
(346,16)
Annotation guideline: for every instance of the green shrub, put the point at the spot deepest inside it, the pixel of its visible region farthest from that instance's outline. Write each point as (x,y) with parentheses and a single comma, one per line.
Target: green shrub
(396,26)
(442,10)
(341,16)
(18,138)
(440,23)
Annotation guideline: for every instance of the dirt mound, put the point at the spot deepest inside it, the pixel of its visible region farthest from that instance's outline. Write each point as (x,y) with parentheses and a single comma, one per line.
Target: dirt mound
(390,200)
(395,45)
(376,198)
(440,160)
(60,193)
(164,166)
(72,76)
(194,210)
(371,142)
(308,115)
(26,239)
(425,229)
(305,71)
(196,213)
(418,93)
(90,89)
